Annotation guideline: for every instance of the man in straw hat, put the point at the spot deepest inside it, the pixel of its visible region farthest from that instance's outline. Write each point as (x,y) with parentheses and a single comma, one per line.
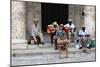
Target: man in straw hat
(71,29)
(56,26)
(36,31)
(51,29)
(62,41)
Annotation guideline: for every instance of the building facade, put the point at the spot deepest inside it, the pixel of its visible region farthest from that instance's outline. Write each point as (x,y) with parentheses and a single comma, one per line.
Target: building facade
(23,13)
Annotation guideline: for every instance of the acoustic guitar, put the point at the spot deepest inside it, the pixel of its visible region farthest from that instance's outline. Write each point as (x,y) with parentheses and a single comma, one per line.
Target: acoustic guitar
(50,29)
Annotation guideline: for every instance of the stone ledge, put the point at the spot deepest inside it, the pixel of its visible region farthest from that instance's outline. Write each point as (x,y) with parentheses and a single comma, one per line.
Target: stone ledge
(19,44)
(39,51)
(14,41)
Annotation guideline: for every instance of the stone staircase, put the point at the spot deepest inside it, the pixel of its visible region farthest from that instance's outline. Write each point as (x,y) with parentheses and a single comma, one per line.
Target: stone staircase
(47,48)
(34,50)
(46,54)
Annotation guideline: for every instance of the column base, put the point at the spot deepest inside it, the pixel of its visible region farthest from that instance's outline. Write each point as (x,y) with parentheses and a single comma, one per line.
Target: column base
(19,44)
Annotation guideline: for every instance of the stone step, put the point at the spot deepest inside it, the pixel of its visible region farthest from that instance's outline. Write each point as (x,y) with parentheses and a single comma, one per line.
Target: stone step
(52,58)
(46,45)
(41,50)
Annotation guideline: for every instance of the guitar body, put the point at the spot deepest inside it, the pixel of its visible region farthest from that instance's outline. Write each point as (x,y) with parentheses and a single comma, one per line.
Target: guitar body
(50,29)
(66,30)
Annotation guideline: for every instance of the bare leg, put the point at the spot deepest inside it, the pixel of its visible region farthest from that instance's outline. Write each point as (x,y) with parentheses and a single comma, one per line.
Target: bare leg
(59,48)
(66,52)
(75,36)
(69,35)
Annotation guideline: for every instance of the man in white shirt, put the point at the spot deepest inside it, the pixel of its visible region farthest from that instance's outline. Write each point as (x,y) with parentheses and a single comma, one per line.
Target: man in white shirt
(36,31)
(71,28)
(83,32)
(84,37)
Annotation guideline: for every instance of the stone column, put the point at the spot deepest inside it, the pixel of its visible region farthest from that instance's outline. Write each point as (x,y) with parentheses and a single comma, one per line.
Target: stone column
(18,11)
(33,12)
(89,19)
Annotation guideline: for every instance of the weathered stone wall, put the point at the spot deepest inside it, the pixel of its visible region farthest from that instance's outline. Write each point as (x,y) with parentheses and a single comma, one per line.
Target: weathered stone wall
(90,19)
(75,13)
(87,20)
(18,25)
(18,20)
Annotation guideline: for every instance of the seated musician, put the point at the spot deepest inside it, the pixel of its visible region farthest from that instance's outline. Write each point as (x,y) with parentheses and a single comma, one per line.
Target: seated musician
(66,30)
(62,40)
(36,32)
(51,30)
(56,26)
(70,29)
(84,37)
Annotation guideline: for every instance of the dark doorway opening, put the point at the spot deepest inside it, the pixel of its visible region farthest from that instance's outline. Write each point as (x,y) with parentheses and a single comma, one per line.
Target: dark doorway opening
(53,12)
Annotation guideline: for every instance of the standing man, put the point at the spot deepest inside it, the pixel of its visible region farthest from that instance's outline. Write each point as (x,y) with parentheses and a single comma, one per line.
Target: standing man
(62,41)
(36,32)
(56,26)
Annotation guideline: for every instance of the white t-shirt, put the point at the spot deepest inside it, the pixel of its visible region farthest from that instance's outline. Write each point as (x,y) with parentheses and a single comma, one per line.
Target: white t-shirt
(70,26)
(35,30)
(83,33)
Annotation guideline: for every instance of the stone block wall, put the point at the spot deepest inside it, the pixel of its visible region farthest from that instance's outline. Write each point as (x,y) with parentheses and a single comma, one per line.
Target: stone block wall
(90,19)
(75,13)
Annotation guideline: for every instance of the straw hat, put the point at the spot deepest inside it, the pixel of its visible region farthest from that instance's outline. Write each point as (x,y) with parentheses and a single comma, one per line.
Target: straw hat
(69,19)
(61,25)
(35,20)
(50,25)
(55,23)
